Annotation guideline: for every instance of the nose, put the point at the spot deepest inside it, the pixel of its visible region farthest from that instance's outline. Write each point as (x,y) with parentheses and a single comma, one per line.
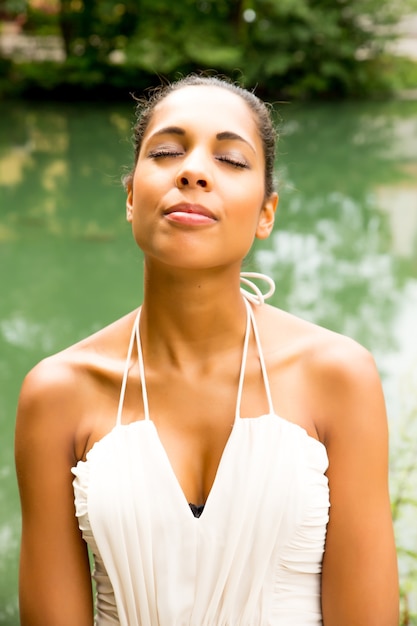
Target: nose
(193,173)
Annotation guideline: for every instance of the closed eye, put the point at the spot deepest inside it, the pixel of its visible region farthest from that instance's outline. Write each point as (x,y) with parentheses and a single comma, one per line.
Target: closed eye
(234,162)
(157,154)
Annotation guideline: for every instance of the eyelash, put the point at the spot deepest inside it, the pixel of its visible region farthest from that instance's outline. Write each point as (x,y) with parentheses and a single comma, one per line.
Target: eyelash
(164,153)
(233,162)
(223,159)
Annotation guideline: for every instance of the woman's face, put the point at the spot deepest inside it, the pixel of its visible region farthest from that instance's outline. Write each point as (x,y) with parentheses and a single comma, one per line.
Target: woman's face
(197,197)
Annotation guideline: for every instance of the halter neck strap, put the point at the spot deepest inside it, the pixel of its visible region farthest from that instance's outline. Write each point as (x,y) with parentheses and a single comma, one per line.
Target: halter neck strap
(126,369)
(255,296)
(250,321)
(142,371)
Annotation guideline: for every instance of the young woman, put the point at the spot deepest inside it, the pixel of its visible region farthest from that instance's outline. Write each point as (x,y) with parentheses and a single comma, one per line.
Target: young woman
(204,435)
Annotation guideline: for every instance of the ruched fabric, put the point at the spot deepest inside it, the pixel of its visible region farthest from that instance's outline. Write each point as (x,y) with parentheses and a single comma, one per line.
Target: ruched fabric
(253,557)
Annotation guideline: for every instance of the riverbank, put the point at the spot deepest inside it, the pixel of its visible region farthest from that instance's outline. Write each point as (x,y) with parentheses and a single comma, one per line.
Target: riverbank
(406,47)
(37,65)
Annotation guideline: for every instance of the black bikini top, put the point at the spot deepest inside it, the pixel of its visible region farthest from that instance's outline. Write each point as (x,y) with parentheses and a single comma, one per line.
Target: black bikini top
(196,509)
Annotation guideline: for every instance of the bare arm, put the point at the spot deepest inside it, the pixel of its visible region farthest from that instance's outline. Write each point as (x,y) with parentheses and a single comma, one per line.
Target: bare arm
(54,582)
(360,578)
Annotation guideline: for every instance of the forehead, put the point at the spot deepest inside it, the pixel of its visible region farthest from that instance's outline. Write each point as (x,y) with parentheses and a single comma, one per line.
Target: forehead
(207,107)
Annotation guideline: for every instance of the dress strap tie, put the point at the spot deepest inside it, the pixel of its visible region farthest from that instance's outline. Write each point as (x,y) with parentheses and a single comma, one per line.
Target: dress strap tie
(255,295)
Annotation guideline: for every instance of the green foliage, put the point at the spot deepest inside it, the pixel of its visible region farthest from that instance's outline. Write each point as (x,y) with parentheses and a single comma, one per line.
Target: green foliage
(40,22)
(289,48)
(13,7)
(93,28)
(76,79)
(401,72)
(404,499)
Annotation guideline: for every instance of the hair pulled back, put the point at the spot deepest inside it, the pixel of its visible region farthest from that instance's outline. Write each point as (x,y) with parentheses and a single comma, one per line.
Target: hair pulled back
(147,104)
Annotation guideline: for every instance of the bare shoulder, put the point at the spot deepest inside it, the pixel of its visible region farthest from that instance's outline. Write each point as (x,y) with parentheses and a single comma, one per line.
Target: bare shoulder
(324,352)
(61,389)
(57,372)
(337,362)
(47,401)
(336,373)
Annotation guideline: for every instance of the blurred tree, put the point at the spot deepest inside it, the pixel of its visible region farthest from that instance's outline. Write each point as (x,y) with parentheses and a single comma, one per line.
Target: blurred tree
(94,28)
(301,46)
(320,46)
(289,48)
(186,35)
(12,8)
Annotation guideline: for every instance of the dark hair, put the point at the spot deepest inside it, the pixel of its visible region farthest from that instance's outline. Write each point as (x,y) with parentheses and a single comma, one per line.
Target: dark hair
(146,106)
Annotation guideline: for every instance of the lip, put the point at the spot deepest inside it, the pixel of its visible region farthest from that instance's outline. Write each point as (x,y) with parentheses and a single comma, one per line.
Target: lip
(188,213)
(195,209)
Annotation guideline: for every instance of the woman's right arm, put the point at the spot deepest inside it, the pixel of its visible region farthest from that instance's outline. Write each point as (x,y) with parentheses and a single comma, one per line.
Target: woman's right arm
(54,580)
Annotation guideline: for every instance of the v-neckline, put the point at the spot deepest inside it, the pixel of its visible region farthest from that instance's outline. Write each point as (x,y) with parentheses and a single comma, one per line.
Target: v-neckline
(237,418)
(250,324)
(174,479)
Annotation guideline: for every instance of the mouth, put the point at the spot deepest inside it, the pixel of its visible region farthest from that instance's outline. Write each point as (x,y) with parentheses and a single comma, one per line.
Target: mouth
(187,213)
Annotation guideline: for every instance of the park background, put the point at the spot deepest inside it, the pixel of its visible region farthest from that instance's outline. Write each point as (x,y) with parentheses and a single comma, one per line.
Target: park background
(342,76)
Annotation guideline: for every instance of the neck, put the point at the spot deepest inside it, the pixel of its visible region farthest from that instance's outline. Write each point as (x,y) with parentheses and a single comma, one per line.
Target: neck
(191,313)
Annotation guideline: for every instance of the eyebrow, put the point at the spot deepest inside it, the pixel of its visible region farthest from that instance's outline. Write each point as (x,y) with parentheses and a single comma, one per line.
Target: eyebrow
(169,130)
(225,135)
(228,135)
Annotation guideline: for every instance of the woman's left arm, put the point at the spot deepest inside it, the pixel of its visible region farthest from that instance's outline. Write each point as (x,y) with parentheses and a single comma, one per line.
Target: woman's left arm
(360,576)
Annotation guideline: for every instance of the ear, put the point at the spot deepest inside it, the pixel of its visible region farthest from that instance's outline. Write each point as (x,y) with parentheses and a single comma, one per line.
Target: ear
(129,203)
(267,217)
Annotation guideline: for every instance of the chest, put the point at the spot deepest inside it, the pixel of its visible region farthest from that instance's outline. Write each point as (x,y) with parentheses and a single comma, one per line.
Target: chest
(269,491)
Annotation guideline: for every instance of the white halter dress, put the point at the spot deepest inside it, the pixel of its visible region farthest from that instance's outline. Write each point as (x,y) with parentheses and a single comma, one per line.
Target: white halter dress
(253,557)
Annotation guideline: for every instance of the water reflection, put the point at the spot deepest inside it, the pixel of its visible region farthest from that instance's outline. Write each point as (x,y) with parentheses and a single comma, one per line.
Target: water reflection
(338,274)
(343,253)
(400,203)
(20,332)
(54,154)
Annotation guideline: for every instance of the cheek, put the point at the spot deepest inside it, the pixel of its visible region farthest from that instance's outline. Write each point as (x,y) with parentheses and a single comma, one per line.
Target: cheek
(141,231)
(142,200)
(249,202)
(149,187)
(146,197)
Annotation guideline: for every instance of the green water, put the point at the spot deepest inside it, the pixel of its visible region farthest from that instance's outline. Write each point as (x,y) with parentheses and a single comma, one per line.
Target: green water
(343,254)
